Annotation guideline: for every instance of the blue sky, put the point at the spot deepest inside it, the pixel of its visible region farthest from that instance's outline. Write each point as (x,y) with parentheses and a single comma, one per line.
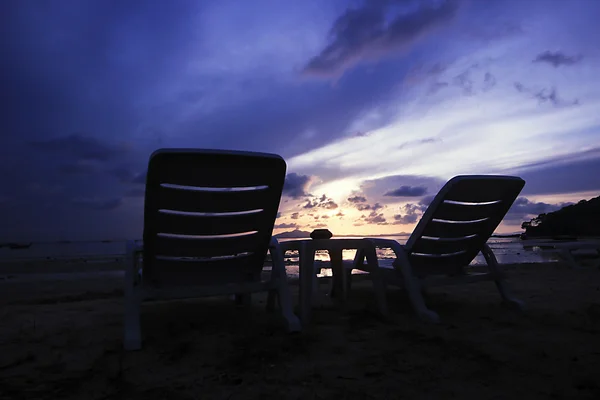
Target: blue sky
(380,100)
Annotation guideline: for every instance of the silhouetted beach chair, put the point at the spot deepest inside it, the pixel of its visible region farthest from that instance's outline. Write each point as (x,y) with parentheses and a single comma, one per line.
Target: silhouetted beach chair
(453,230)
(208,220)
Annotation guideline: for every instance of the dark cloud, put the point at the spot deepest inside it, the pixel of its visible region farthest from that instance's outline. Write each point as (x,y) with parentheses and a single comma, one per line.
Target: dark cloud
(325,217)
(407,191)
(437,86)
(139,178)
(364,207)
(125,175)
(489,81)
(135,192)
(321,202)
(362,33)
(295,215)
(296,186)
(418,142)
(340,214)
(375,219)
(319,226)
(524,209)
(565,173)
(425,201)
(409,214)
(285,226)
(357,199)
(464,81)
(556,59)
(545,95)
(310,204)
(80,147)
(98,204)
(278,215)
(78,169)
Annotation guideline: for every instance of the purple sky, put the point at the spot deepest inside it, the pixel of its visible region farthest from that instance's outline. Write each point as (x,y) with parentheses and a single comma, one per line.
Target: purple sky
(374,104)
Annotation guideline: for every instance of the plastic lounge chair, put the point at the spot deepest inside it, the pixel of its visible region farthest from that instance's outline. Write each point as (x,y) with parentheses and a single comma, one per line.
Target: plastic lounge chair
(453,230)
(208,220)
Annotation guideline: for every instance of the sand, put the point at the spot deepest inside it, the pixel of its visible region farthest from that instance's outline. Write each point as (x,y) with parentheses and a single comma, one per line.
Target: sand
(60,338)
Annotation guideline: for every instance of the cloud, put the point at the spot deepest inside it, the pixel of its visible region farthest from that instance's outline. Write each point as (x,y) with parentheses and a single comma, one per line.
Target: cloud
(407,191)
(364,207)
(98,204)
(125,175)
(375,219)
(295,215)
(362,33)
(357,199)
(285,226)
(135,192)
(545,95)
(321,202)
(408,215)
(139,178)
(81,147)
(418,142)
(77,169)
(296,186)
(378,190)
(523,209)
(556,59)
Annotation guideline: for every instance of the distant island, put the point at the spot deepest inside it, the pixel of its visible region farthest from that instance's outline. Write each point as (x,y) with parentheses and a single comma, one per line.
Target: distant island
(300,234)
(576,220)
(295,234)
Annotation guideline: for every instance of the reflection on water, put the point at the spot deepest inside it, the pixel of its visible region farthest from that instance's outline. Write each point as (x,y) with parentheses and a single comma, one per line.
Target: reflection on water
(507,250)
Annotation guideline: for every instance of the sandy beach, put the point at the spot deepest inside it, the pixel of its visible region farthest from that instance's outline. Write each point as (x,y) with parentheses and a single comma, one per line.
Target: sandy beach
(60,338)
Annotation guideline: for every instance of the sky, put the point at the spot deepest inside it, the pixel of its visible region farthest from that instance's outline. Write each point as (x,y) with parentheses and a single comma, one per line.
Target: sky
(373,104)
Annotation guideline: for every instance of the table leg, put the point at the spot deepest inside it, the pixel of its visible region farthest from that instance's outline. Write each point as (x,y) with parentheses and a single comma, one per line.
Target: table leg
(306,255)
(339,284)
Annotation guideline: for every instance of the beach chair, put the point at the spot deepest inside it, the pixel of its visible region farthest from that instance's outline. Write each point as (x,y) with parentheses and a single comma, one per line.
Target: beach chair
(452,231)
(208,220)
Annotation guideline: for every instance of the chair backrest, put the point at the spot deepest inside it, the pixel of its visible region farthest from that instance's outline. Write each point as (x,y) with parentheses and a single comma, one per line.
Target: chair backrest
(459,221)
(209,215)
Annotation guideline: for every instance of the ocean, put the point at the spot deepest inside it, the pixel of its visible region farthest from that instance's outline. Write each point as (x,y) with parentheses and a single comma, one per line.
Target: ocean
(507,250)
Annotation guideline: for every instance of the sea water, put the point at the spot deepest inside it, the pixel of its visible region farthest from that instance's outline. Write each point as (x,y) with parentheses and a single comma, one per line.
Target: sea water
(507,250)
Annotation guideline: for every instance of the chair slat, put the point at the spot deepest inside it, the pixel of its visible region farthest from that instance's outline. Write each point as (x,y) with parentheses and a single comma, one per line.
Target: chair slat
(209,224)
(212,201)
(461,212)
(445,247)
(449,230)
(219,246)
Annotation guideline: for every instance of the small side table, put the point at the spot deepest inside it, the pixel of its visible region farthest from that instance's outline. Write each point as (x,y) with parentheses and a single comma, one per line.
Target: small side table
(306,254)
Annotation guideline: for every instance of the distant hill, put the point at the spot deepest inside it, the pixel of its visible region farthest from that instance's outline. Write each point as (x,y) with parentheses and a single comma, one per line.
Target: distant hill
(581,219)
(295,234)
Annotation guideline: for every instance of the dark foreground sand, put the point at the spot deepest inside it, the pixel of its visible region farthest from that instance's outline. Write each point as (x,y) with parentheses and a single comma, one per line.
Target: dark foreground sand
(61,339)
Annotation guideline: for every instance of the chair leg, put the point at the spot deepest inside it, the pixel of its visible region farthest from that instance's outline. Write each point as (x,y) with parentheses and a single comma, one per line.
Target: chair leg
(413,288)
(507,297)
(132,338)
(379,286)
(282,292)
